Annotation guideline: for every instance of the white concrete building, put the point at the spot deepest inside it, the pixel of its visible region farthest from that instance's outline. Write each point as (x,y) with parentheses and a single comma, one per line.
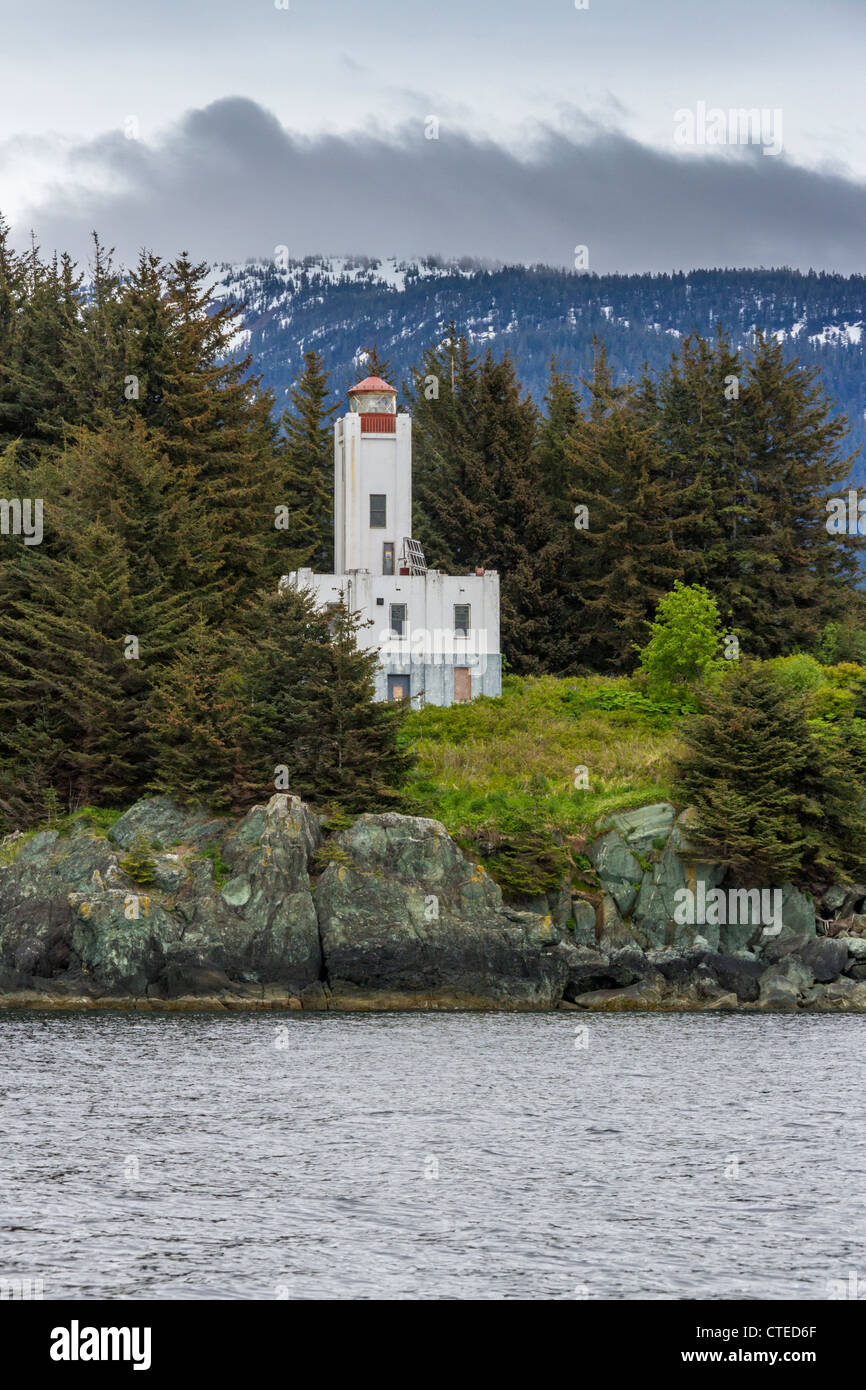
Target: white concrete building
(437,635)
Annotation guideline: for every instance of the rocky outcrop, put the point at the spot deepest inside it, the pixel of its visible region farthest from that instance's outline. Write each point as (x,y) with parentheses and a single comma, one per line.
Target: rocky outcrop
(74,925)
(406,919)
(399,917)
(263,912)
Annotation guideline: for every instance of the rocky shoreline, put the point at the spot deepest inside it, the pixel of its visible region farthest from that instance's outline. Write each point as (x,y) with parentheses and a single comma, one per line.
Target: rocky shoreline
(272,912)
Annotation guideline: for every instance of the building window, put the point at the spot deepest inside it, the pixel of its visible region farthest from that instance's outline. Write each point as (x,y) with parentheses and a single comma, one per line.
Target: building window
(388,557)
(378,509)
(461,619)
(398,619)
(462,684)
(398,688)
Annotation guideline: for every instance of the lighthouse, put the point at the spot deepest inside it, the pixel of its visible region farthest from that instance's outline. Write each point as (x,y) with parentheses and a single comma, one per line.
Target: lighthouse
(437,635)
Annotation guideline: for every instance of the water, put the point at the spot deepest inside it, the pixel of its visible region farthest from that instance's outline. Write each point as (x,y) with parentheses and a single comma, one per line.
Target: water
(194,1156)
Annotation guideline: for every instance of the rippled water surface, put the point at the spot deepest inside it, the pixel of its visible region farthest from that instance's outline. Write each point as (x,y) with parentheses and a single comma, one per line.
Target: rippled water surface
(432,1156)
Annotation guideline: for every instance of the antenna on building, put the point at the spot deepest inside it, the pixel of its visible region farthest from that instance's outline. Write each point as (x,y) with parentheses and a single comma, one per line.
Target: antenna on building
(412,559)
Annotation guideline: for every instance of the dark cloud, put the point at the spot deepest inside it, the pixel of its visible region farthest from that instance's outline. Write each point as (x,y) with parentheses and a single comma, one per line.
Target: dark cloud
(230,182)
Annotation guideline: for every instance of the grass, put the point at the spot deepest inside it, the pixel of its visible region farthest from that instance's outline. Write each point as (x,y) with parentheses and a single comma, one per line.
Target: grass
(504,770)
(222,871)
(99,819)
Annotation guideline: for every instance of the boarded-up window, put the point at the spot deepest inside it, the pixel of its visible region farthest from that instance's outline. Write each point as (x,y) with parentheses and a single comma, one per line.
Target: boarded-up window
(398,688)
(462,684)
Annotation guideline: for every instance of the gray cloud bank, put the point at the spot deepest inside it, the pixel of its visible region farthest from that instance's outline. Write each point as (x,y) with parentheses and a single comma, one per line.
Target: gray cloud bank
(229,182)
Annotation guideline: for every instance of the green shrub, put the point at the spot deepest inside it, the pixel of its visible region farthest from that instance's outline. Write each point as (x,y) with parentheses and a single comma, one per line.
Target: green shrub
(222,871)
(685,636)
(139,864)
(800,674)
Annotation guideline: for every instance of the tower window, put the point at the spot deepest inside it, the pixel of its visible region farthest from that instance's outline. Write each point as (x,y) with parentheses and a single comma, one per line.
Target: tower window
(378,509)
(398,619)
(461,619)
(388,557)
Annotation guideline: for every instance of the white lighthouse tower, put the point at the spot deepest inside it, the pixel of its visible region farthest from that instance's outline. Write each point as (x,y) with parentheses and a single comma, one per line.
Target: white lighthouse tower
(437,635)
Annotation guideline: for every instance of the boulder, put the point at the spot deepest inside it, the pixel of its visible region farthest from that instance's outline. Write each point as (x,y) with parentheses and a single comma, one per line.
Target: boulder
(407,915)
(826,957)
(588,969)
(612,931)
(799,926)
(724,1001)
(646,827)
(159,821)
(738,974)
(613,861)
(583,913)
(783,984)
(632,997)
(673,964)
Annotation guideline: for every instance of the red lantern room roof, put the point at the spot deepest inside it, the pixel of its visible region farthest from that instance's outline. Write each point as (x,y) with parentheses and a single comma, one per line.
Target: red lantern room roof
(372,383)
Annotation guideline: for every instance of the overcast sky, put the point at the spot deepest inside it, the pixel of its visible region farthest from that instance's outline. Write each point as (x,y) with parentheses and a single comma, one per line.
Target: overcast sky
(229,127)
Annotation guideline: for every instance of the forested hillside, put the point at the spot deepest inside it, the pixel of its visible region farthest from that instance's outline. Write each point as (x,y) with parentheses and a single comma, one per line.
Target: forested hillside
(338,307)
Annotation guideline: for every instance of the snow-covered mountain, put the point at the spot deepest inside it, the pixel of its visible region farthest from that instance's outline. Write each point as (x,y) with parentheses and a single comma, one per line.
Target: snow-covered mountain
(341,306)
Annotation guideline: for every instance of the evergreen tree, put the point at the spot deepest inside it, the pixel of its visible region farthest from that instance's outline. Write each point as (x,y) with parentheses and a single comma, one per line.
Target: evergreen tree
(195,719)
(799,576)
(71,685)
(443,401)
(768,800)
(374,365)
(630,553)
(309,723)
(308,469)
(358,763)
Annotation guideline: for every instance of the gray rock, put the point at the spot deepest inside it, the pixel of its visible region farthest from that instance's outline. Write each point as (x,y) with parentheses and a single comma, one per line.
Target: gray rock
(783,984)
(629,964)
(736,974)
(613,860)
(847,992)
(826,957)
(38,848)
(612,931)
(833,898)
(638,996)
(672,964)
(121,938)
(408,914)
(798,926)
(724,1001)
(68,913)
(654,912)
(645,827)
(160,821)
(583,913)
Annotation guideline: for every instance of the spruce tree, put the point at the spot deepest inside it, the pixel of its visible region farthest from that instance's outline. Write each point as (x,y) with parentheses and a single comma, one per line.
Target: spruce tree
(628,556)
(195,718)
(358,763)
(307,460)
(768,801)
